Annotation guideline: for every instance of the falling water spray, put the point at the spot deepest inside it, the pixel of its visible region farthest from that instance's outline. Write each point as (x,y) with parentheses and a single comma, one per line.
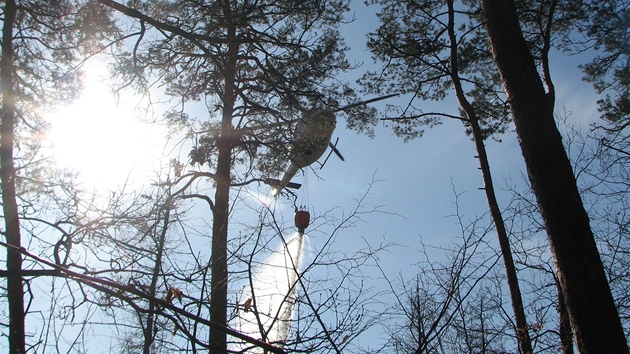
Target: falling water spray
(285,313)
(275,286)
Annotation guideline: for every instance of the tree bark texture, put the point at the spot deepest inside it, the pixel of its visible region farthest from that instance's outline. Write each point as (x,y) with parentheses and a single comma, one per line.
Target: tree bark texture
(594,318)
(7,175)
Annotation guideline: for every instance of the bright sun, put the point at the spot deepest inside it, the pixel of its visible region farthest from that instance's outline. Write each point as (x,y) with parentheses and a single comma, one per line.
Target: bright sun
(102,139)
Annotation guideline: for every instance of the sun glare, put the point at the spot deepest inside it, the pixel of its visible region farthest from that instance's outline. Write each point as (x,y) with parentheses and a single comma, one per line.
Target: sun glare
(102,139)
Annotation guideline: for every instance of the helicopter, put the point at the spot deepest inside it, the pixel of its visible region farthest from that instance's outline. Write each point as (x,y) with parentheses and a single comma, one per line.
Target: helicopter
(312,138)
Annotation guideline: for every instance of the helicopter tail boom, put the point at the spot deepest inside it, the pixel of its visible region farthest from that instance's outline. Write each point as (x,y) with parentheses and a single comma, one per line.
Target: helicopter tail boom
(286,180)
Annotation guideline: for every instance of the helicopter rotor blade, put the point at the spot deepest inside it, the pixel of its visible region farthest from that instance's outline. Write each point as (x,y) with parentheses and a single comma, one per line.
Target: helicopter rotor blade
(365,102)
(277,183)
(334,149)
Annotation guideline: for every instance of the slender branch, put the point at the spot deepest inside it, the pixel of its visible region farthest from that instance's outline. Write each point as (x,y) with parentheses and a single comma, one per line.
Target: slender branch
(195,39)
(200,196)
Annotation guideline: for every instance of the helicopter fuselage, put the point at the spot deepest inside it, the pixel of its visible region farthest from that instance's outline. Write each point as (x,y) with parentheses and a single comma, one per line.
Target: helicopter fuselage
(312,138)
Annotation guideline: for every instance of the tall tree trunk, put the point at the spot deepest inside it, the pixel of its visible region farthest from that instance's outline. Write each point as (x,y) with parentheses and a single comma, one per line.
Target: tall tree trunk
(522,331)
(219,277)
(581,275)
(7,175)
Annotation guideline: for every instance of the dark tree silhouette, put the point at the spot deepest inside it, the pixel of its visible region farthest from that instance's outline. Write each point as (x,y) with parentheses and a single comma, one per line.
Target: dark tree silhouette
(15,289)
(591,308)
